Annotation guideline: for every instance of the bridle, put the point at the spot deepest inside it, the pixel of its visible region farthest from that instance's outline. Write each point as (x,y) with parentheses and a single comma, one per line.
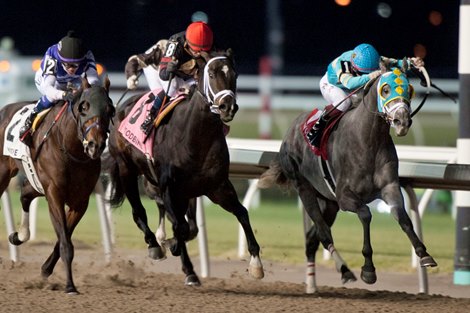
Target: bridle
(212,97)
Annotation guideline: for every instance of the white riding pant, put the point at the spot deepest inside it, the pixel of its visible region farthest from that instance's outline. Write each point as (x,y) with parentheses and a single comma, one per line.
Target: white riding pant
(177,83)
(334,94)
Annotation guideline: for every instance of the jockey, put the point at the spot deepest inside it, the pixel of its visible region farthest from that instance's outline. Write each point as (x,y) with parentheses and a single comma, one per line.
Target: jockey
(62,66)
(346,73)
(176,67)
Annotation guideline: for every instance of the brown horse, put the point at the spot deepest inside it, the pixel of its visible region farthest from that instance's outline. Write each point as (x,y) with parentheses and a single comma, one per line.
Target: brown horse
(65,152)
(190,159)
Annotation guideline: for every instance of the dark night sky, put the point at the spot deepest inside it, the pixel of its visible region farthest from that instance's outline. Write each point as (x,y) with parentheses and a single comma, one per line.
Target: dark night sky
(314,31)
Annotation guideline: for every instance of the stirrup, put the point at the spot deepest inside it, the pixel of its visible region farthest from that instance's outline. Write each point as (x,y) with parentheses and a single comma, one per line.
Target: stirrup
(147,125)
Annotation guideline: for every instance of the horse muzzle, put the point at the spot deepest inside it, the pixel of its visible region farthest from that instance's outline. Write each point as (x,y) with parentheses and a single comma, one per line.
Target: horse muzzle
(401,121)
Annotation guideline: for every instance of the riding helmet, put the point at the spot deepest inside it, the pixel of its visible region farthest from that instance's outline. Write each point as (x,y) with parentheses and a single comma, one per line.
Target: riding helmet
(365,58)
(199,36)
(71,48)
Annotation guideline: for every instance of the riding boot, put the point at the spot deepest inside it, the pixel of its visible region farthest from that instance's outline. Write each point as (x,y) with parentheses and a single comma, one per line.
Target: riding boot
(25,130)
(315,134)
(147,125)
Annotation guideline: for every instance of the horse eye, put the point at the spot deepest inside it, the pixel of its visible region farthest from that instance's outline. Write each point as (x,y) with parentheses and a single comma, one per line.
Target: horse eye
(385,92)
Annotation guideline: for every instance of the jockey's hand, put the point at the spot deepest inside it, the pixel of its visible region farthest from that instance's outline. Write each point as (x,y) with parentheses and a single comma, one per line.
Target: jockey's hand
(68,96)
(132,82)
(172,67)
(374,74)
(417,62)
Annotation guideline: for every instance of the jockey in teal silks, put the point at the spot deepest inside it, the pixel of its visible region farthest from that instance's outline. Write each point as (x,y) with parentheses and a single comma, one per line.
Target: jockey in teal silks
(346,73)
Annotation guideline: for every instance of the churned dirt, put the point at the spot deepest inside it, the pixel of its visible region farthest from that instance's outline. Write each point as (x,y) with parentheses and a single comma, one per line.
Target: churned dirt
(131,282)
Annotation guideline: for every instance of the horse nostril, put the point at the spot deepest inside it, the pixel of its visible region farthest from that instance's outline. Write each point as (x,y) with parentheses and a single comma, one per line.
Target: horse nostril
(396,122)
(223,107)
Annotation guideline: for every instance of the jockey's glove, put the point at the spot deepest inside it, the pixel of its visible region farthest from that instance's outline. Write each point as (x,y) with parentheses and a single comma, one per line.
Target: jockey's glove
(132,82)
(68,96)
(417,62)
(172,67)
(374,74)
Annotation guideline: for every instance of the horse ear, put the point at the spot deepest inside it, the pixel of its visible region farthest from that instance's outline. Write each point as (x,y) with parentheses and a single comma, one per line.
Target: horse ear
(85,83)
(404,65)
(229,53)
(383,66)
(106,83)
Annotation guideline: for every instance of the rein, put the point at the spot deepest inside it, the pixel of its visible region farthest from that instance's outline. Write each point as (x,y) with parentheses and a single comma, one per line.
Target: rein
(209,92)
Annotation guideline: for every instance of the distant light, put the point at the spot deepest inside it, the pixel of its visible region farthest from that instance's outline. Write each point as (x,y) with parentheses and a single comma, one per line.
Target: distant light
(384,10)
(435,18)
(36,64)
(343,3)
(420,50)
(200,16)
(4,66)
(99,68)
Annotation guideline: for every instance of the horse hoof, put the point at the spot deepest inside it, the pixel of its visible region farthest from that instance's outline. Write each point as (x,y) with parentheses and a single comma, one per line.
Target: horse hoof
(348,277)
(72,291)
(14,240)
(368,277)
(256,272)
(157,253)
(427,261)
(192,280)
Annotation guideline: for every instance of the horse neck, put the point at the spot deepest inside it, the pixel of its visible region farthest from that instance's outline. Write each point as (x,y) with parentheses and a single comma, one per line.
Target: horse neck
(200,121)
(371,127)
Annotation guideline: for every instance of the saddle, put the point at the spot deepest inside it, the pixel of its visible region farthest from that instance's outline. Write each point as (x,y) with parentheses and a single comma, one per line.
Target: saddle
(130,125)
(312,118)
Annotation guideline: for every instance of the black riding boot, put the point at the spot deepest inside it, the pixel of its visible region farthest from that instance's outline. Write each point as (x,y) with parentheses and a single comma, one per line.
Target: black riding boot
(25,130)
(147,125)
(314,135)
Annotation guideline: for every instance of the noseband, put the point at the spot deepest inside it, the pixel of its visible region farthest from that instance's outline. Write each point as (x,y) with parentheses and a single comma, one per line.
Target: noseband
(212,97)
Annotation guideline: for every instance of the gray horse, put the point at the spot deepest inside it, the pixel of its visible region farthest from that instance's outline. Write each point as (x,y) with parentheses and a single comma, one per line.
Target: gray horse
(363,164)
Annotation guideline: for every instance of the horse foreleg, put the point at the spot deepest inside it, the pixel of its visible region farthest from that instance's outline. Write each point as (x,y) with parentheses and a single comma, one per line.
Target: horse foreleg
(226,197)
(191,217)
(368,274)
(394,199)
(61,221)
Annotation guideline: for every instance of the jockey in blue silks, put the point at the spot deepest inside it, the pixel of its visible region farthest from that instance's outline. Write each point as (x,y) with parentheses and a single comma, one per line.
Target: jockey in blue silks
(351,70)
(62,66)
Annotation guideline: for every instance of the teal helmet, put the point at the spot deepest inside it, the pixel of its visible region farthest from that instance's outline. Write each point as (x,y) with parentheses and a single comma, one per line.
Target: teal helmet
(365,58)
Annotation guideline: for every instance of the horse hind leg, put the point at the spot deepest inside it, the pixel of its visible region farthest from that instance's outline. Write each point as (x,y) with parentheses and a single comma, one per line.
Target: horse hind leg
(23,234)
(329,211)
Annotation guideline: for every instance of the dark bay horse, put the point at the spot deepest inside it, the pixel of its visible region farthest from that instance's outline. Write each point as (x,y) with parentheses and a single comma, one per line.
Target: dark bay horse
(190,159)
(364,166)
(65,153)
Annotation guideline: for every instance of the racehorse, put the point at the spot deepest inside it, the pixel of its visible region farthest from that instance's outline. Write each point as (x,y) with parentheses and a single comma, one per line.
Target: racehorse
(190,159)
(65,153)
(363,163)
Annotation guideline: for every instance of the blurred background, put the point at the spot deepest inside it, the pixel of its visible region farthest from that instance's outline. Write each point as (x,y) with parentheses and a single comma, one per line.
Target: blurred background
(282,49)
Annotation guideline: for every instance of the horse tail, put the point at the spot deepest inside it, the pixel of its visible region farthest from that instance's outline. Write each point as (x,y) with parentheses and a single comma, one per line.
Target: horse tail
(274,175)
(110,165)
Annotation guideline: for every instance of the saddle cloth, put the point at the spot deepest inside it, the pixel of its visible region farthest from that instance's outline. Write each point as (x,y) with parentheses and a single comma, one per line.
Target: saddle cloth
(130,125)
(13,147)
(306,126)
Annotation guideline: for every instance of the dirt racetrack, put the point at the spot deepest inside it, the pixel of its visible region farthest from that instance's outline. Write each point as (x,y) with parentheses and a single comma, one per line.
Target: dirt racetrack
(134,283)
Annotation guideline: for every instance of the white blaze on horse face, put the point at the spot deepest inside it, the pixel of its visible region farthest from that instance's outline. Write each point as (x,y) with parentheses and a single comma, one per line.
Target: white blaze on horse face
(225,69)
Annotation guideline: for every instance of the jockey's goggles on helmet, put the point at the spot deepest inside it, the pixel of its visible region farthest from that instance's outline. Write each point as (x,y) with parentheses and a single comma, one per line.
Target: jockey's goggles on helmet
(69,65)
